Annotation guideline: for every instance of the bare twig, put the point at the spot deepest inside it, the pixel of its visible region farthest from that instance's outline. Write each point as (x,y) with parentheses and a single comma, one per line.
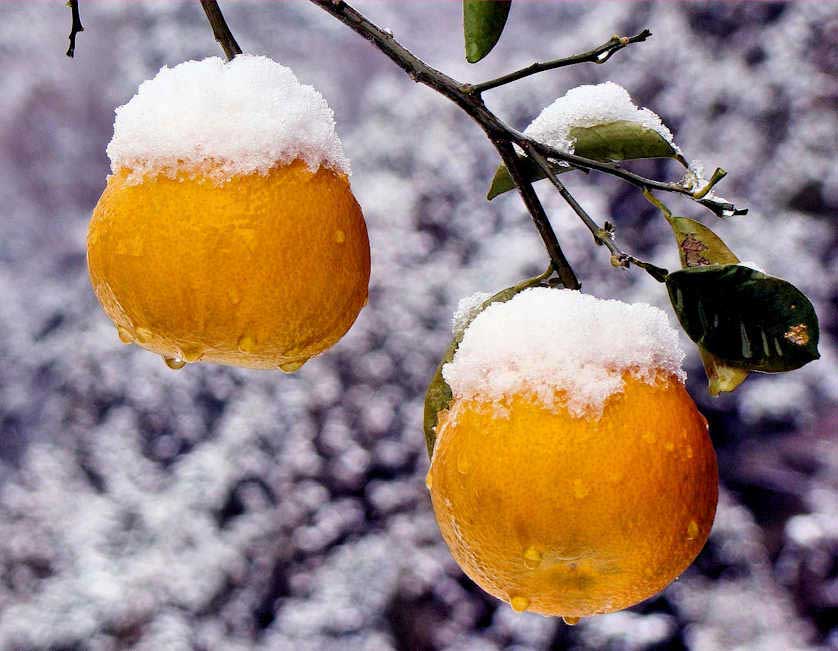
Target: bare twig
(220,29)
(721,208)
(421,72)
(468,98)
(76,28)
(462,94)
(599,54)
(604,236)
(539,217)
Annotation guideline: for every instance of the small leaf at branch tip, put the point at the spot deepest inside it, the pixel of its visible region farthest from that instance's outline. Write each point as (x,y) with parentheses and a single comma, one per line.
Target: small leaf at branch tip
(483,24)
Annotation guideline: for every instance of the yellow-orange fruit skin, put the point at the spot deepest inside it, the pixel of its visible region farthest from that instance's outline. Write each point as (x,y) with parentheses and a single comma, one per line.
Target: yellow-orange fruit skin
(573,516)
(262,270)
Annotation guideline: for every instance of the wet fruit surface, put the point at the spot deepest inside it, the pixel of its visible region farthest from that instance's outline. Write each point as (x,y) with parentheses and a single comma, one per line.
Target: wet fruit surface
(576,516)
(247,272)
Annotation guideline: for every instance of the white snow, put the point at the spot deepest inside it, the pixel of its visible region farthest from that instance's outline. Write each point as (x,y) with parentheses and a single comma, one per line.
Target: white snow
(589,106)
(466,309)
(235,118)
(545,341)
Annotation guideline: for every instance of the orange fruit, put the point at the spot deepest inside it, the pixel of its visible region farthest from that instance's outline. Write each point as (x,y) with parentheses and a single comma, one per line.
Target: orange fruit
(260,270)
(575,516)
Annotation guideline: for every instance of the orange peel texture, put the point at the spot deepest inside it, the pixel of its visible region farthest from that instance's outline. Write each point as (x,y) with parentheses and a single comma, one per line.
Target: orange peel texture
(261,270)
(575,516)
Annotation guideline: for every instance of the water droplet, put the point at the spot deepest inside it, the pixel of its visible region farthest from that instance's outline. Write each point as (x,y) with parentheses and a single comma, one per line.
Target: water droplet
(692,530)
(290,367)
(532,557)
(144,335)
(124,335)
(689,452)
(340,236)
(246,344)
(428,481)
(463,464)
(649,437)
(669,445)
(519,604)
(580,490)
(174,363)
(192,354)
(570,621)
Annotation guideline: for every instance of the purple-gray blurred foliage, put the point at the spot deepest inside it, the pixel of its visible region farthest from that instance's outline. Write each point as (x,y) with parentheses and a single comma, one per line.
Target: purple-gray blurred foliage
(221,509)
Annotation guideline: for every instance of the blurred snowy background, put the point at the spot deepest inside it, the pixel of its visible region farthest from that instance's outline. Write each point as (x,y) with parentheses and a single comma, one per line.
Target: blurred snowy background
(220,509)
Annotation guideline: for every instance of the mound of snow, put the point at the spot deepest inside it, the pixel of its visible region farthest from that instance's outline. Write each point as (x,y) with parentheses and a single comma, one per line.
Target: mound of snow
(548,340)
(241,117)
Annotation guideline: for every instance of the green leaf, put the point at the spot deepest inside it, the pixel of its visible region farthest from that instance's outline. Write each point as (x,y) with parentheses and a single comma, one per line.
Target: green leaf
(620,140)
(746,318)
(721,376)
(483,23)
(438,396)
(698,246)
(503,182)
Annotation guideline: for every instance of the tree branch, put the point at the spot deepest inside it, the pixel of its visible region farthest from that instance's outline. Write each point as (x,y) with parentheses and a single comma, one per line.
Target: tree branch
(539,217)
(598,55)
(720,208)
(76,28)
(603,236)
(468,98)
(220,29)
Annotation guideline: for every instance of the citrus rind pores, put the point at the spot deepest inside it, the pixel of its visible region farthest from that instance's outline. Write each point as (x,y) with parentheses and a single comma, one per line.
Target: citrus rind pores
(569,516)
(262,270)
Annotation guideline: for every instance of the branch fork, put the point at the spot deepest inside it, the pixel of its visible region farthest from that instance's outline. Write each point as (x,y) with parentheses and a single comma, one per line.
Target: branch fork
(468,97)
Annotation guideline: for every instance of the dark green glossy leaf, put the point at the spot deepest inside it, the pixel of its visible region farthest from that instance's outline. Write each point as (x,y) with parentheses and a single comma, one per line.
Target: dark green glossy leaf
(483,23)
(620,140)
(698,246)
(746,318)
(438,396)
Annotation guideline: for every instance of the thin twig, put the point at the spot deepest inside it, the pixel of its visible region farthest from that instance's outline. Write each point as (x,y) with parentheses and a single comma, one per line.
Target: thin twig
(468,98)
(539,217)
(604,236)
(220,29)
(76,28)
(720,208)
(462,95)
(599,54)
